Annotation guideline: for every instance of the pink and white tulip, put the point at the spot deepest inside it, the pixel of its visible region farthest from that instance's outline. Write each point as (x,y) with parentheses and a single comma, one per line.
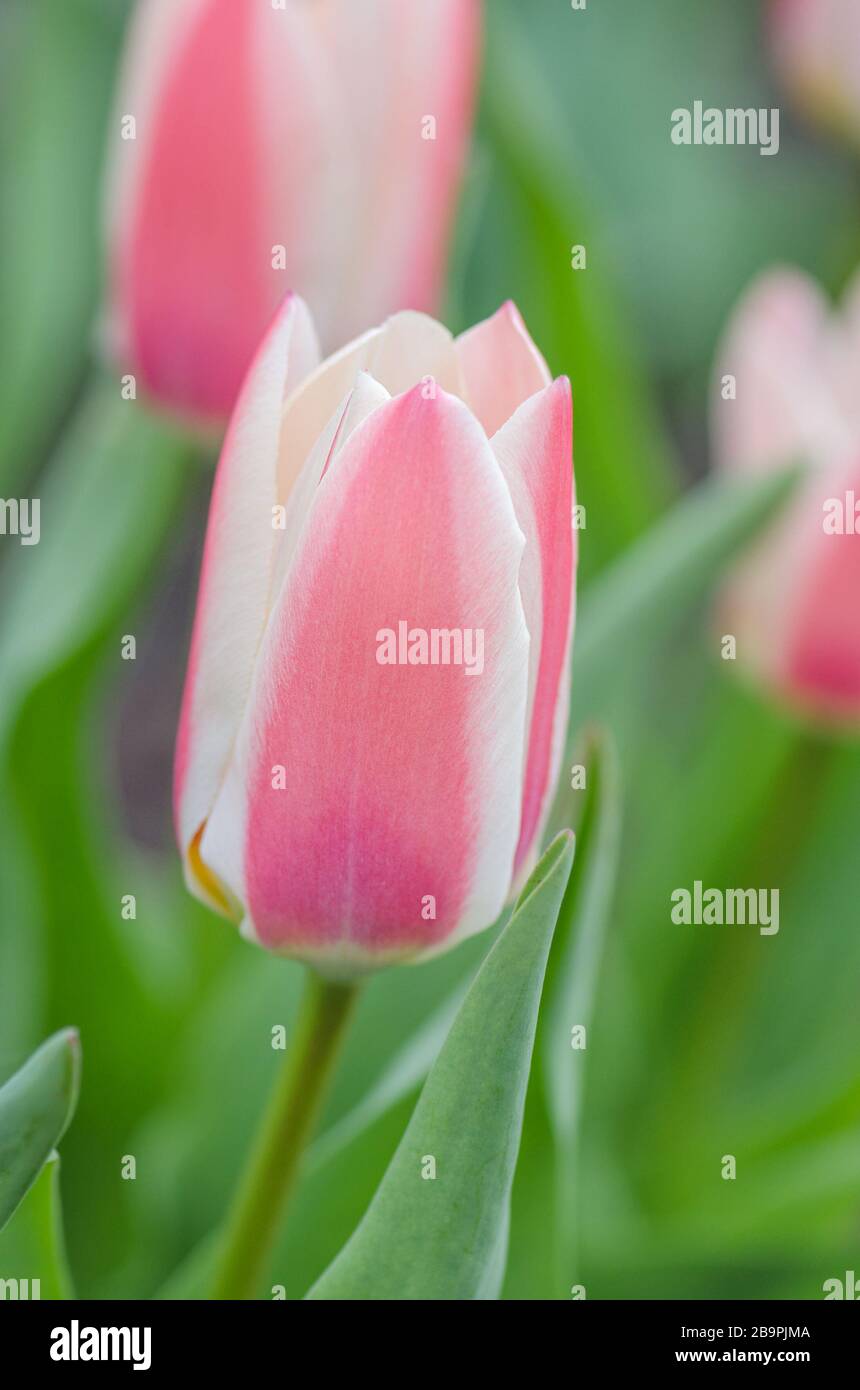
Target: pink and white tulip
(309,145)
(816,49)
(794,602)
(353,808)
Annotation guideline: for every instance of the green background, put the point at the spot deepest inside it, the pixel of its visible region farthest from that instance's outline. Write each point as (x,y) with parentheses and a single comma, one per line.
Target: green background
(704,1041)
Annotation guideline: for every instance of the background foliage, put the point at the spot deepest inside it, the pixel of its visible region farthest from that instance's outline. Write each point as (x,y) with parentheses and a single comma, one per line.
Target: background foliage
(702,1042)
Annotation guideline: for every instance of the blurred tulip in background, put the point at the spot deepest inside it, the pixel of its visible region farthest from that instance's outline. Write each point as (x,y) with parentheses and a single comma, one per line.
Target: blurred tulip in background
(260,148)
(816,48)
(793,603)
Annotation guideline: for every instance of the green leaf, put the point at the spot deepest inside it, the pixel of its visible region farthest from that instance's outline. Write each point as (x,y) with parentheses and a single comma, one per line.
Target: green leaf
(571,982)
(32,1247)
(36,1105)
(445,1238)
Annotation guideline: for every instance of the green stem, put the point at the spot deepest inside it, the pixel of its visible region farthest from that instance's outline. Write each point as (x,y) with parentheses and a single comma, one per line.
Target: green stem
(272,1168)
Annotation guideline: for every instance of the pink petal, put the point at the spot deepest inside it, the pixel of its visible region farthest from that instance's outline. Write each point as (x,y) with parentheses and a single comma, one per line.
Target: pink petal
(315,182)
(402,781)
(392,67)
(501,367)
(294,132)
(816,48)
(156,29)
(822,662)
(361,401)
(777,348)
(409,347)
(193,283)
(796,363)
(762,596)
(237,569)
(534,449)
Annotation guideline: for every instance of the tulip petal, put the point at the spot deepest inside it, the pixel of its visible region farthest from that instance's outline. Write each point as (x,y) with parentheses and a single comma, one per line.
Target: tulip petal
(157,28)
(314,174)
(791,604)
(501,367)
(779,349)
(761,598)
(404,78)
(795,363)
(409,347)
(816,48)
(236,575)
(315,146)
(364,398)
(534,449)
(822,668)
(401,782)
(193,251)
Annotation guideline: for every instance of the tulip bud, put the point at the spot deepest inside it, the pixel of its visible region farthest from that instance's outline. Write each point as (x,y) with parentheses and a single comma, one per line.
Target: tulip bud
(816,48)
(787,392)
(377,692)
(312,145)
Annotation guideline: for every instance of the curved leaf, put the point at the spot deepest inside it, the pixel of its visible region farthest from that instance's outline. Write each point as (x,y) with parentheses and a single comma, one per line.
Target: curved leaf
(36,1105)
(443,1238)
(32,1246)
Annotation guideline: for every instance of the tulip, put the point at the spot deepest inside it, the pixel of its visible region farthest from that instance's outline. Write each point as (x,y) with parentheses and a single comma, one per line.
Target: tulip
(816,49)
(260,147)
(794,602)
(376,699)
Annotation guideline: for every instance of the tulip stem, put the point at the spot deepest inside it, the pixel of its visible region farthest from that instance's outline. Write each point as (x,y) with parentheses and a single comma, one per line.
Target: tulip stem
(271,1171)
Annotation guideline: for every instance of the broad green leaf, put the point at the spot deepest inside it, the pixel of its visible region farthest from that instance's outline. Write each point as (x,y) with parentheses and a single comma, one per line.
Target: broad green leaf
(32,1247)
(442,1238)
(572,982)
(36,1105)
(104,507)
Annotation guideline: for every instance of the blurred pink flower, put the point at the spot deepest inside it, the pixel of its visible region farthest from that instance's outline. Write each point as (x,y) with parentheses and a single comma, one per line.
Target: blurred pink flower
(377,692)
(313,145)
(794,602)
(816,49)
